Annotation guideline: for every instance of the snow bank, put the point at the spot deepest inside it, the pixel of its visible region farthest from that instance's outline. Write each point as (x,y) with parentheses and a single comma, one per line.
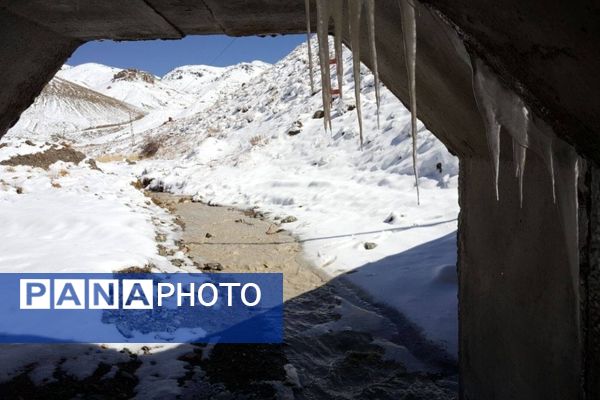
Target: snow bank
(76,219)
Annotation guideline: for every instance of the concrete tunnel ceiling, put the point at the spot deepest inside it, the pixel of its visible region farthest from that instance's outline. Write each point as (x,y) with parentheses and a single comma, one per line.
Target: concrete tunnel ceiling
(550,61)
(515,282)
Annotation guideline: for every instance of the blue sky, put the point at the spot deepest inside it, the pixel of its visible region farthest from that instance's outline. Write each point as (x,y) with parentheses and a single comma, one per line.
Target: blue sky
(161,56)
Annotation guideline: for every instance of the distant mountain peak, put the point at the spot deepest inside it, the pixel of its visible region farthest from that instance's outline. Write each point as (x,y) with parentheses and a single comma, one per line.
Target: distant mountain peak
(133,74)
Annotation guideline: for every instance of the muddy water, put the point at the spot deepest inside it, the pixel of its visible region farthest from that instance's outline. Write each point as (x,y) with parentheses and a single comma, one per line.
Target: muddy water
(338,344)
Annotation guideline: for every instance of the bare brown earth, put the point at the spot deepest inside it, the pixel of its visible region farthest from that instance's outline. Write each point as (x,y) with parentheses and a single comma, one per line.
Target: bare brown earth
(46,158)
(242,241)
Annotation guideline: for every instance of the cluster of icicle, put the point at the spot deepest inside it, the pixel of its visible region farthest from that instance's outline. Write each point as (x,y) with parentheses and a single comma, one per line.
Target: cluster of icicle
(503,110)
(328,10)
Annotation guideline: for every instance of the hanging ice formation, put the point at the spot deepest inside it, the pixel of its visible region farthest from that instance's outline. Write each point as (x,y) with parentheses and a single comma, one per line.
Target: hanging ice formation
(323,16)
(567,172)
(355,11)
(309,46)
(337,12)
(502,108)
(333,9)
(371,26)
(409,34)
(542,143)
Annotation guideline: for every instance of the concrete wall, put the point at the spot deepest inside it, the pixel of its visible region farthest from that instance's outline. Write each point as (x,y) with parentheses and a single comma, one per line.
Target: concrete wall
(519,310)
(529,329)
(29,57)
(590,277)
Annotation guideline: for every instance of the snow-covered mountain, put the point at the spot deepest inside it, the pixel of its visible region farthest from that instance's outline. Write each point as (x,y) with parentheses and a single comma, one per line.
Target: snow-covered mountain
(65,107)
(275,108)
(138,88)
(204,79)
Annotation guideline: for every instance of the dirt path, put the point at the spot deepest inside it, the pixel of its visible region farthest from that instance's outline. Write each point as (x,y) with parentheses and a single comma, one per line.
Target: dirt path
(337,343)
(242,242)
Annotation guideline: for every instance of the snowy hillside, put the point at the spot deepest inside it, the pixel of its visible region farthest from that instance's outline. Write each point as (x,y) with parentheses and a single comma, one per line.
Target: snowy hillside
(65,107)
(205,79)
(134,87)
(275,108)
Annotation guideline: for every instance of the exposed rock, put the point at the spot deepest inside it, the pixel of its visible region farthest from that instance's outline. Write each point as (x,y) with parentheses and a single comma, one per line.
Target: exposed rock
(370,245)
(132,74)
(177,262)
(162,250)
(150,148)
(319,114)
(273,229)
(92,163)
(295,129)
(392,218)
(289,219)
(46,158)
(146,269)
(212,267)
(254,213)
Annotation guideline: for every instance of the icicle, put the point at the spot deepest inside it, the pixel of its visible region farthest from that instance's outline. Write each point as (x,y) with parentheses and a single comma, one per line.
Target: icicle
(541,140)
(337,11)
(371,27)
(483,93)
(355,9)
(567,172)
(548,155)
(310,59)
(519,157)
(409,34)
(502,107)
(520,143)
(323,16)
(492,126)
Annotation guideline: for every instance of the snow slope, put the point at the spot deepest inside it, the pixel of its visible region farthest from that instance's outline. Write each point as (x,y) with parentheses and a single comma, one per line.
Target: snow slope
(64,108)
(182,92)
(204,79)
(72,218)
(139,89)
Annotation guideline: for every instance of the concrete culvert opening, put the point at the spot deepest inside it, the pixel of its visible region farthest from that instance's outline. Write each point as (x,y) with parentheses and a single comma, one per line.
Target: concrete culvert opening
(381,320)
